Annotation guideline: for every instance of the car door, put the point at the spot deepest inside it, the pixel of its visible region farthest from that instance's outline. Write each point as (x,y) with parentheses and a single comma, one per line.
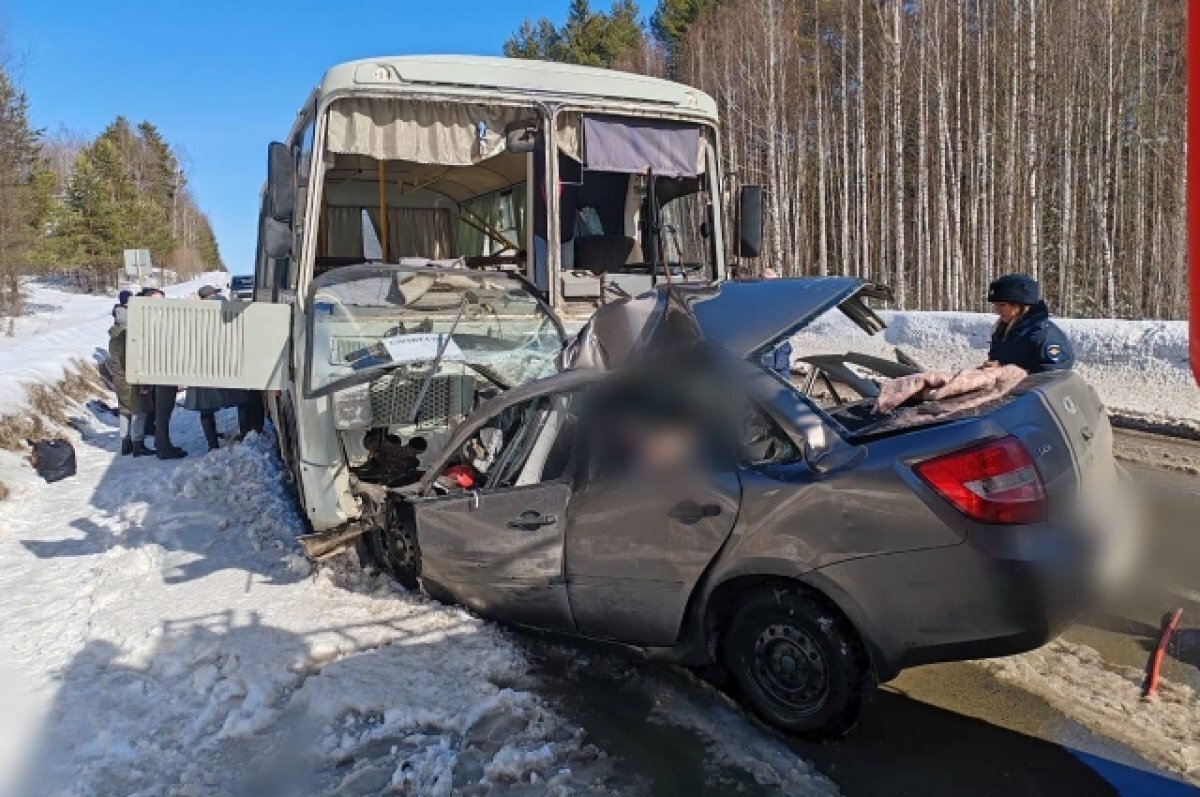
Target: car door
(499,552)
(643,527)
(497,546)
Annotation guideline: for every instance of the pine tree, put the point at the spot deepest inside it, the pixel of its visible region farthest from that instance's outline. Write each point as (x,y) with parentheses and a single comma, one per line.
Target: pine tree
(19,162)
(589,38)
(671,20)
(98,201)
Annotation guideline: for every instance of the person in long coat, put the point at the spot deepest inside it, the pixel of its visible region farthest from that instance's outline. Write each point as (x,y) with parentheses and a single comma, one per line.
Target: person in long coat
(164,406)
(207,400)
(134,402)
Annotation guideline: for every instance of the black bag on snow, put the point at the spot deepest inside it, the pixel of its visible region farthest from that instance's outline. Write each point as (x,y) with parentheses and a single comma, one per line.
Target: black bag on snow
(53,460)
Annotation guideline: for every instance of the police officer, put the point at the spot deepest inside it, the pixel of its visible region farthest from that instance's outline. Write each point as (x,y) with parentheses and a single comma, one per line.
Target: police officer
(1025,336)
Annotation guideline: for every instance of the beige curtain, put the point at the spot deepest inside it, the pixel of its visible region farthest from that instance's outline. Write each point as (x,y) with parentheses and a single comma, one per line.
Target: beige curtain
(451,134)
(417,232)
(343,232)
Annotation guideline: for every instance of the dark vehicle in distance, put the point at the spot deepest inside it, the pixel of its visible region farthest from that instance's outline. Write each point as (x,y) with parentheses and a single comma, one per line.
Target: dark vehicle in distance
(241,287)
(666,492)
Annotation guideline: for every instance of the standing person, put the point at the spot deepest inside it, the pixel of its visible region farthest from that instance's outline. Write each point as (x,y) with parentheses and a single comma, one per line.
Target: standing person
(164,405)
(207,400)
(1025,336)
(133,401)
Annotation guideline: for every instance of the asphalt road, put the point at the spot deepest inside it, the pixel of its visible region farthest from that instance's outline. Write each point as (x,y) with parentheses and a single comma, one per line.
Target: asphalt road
(947,729)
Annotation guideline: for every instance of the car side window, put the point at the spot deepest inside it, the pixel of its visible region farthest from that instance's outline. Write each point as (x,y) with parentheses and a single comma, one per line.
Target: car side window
(652,427)
(528,443)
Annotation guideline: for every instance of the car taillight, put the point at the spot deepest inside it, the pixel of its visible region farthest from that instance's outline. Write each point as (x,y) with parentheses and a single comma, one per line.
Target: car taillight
(993,483)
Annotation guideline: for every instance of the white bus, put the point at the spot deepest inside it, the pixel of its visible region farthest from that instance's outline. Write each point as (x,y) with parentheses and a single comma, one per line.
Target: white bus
(425,224)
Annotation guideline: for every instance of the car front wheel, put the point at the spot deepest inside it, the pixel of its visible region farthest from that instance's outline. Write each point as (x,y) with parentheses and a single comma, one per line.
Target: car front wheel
(799,664)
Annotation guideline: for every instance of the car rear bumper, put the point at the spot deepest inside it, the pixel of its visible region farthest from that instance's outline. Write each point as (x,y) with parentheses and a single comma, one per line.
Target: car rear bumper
(1004,591)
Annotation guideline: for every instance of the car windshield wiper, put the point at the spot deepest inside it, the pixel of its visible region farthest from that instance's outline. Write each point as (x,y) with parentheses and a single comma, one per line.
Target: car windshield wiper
(437,361)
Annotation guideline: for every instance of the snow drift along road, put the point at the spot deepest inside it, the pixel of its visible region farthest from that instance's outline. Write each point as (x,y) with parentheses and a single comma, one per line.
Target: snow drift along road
(166,639)
(59,327)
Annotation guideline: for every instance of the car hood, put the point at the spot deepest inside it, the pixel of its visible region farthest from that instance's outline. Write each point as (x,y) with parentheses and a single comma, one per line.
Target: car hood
(745,317)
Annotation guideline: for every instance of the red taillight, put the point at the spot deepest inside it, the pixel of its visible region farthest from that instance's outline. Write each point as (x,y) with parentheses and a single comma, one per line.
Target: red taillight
(993,483)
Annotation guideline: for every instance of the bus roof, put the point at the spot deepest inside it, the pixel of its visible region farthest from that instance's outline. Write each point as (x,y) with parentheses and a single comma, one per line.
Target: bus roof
(472,74)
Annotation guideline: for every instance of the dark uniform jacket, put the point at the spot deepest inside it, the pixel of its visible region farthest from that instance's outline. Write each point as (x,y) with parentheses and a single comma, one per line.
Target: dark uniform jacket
(131,399)
(1033,342)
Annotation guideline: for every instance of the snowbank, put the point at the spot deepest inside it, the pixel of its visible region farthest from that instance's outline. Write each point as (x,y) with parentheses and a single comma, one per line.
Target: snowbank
(163,637)
(1138,367)
(1106,698)
(59,327)
(166,623)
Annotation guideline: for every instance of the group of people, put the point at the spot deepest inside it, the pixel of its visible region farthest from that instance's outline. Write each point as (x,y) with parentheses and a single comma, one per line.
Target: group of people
(145,410)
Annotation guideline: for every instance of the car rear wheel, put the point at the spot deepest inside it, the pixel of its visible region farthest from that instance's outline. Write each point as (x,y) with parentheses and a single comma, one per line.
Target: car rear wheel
(799,664)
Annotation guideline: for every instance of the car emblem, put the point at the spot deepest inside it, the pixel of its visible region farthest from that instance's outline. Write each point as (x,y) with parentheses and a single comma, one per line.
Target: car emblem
(1054,350)
(1070,406)
(1044,449)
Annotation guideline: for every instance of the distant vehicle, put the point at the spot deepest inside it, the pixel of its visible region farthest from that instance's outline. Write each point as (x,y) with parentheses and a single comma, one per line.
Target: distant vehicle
(242,287)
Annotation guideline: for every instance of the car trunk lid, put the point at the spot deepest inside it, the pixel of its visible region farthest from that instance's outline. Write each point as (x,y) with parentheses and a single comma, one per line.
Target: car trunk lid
(752,316)
(1062,422)
(745,317)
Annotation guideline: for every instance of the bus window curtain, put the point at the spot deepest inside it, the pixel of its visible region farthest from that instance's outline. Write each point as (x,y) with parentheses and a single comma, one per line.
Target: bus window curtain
(417,232)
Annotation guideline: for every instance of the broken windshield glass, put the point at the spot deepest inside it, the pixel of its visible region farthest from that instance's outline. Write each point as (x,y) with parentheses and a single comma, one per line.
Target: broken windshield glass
(365,320)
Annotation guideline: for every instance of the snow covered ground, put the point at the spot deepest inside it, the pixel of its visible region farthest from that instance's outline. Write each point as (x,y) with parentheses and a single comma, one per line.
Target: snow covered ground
(1105,698)
(1138,367)
(58,327)
(163,637)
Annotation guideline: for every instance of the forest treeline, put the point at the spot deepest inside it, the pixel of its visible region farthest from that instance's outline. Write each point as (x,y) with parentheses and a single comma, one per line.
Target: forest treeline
(70,204)
(935,144)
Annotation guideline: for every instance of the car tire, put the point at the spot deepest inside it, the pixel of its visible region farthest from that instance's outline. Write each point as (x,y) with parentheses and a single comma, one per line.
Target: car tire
(394,550)
(798,663)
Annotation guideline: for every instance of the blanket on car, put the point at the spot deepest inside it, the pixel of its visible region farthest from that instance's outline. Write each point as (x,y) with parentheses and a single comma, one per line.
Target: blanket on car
(981,384)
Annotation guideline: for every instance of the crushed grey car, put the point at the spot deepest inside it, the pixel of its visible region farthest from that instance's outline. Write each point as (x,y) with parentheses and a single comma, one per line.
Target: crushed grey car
(666,492)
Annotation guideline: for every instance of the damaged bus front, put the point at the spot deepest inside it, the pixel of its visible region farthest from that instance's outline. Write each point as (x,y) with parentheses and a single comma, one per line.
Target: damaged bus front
(423,228)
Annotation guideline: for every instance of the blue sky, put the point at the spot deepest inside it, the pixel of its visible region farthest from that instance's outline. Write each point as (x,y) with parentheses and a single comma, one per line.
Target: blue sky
(222,79)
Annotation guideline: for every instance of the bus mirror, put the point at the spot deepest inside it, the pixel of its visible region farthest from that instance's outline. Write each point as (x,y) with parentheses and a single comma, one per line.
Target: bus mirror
(277,238)
(281,182)
(750,221)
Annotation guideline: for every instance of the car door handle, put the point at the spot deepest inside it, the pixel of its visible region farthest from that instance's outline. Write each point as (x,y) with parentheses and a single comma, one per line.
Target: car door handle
(530,520)
(690,512)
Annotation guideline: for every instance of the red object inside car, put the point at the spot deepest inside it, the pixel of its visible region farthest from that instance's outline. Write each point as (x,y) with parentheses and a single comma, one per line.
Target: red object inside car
(462,475)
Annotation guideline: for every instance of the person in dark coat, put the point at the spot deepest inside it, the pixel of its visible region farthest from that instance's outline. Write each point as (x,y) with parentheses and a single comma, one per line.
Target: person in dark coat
(133,401)
(164,406)
(1025,336)
(207,400)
